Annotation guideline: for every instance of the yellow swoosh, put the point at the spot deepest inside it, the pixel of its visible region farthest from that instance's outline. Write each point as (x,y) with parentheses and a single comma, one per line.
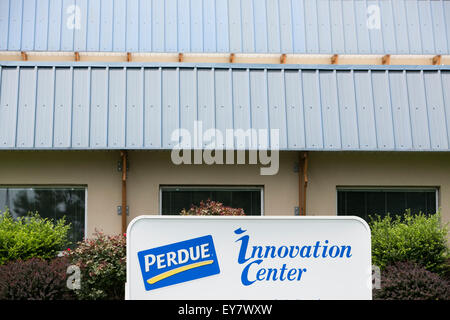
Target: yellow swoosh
(167,274)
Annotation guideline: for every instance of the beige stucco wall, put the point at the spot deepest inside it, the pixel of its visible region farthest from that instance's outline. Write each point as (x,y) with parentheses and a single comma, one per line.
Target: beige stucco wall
(96,170)
(150,169)
(329,170)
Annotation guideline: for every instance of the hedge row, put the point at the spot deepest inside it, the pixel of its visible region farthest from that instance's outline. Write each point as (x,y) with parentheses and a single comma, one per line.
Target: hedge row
(411,251)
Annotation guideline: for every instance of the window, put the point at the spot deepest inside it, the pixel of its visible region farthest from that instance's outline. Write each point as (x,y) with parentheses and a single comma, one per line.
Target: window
(49,202)
(175,199)
(395,201)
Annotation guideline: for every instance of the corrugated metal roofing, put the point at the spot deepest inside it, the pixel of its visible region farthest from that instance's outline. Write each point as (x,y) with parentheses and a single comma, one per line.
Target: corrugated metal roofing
(131,106)
(247,26)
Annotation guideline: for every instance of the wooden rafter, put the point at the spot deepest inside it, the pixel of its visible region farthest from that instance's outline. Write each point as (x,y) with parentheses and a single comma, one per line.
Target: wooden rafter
(335,59)
(437,60)
(232,57)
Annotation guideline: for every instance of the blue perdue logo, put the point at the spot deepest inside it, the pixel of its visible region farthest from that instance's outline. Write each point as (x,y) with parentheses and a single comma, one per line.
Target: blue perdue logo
(178,262)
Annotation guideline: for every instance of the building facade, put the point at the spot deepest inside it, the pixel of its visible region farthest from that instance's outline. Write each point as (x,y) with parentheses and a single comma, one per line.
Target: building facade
(114,109)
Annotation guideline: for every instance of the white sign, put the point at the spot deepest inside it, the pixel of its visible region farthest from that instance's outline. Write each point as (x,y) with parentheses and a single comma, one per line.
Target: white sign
(263,258)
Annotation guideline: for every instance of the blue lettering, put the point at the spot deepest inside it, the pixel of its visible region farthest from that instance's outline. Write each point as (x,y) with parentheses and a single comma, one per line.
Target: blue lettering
(343,249)
(259,253)
(260,274)
(291,255)
(336,253)
(244,244)
(324,251)
(244,276)
(306,254)
(282,251)
(300,272)
(291,274)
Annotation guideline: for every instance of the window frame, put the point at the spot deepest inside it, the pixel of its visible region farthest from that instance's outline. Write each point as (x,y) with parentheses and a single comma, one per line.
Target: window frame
(56,186)
(211,187)
(386,189)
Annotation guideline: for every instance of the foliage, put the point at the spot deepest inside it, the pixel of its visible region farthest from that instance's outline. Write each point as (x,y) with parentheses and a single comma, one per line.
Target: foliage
(31,236)
(416,238)
(212,208)
(34,279)
(102,261)
(410,281)
(446,271)
(51,201)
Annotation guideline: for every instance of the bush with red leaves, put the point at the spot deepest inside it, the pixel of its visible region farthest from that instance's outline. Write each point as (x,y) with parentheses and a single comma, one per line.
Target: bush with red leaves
(102,262)
(410,281)
(35,279)
(212,208)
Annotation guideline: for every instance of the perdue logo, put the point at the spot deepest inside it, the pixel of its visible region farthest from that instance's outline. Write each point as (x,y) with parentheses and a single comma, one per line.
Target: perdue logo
(178,262)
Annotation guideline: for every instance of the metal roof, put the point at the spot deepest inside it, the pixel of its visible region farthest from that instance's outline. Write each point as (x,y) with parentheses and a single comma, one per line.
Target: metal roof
(239,26)
(131,106)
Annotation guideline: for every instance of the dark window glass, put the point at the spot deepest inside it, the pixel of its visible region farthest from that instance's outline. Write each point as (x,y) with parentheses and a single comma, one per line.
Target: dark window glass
(355,204)
(52,203)
(417,202)
(174,200)
(396,202)
(365,203)
(376,203)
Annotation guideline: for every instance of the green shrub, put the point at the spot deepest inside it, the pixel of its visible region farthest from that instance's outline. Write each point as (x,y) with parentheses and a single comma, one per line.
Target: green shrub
(416,238)
(410,281)
(102,262)
(34,279)
(31,236)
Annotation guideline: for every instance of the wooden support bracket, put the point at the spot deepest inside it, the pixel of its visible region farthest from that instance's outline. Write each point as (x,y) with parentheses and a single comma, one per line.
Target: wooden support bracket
(124,159)
(302,182)
(386,59)
(180,57)
(129,57)
(24,55)
(77,56)
(283,58)
(437,60)
(335,59)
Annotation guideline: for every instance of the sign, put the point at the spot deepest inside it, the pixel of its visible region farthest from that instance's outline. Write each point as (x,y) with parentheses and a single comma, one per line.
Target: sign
(178,262)
(263,258)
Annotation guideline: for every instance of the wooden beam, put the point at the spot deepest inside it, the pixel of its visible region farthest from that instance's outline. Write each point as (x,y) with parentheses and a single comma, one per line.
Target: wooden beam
(437,60)
(124,155)
(302,182)
(245,58)
(335,59)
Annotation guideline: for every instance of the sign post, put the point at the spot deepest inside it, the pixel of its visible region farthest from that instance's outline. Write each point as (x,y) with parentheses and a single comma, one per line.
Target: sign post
(251,258)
